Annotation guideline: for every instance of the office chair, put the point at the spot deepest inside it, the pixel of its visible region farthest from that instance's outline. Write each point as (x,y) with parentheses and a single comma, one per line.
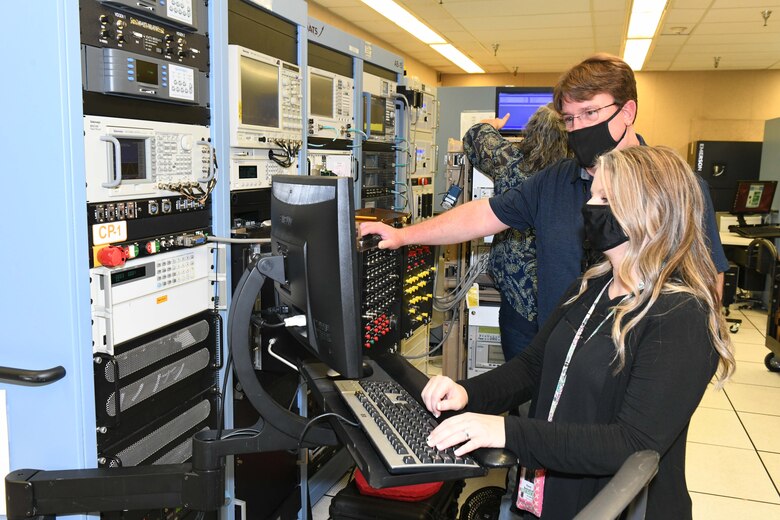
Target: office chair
(626,491)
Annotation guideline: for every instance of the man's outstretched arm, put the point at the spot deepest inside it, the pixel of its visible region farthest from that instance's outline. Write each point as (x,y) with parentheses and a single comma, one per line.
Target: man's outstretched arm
(465,222)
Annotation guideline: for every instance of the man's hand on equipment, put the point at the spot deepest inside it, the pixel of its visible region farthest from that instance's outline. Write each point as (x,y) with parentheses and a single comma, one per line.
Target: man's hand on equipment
(392,238)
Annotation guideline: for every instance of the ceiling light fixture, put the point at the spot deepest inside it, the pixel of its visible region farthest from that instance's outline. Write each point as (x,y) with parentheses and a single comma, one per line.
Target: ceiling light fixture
(645,17)
(405,20)
(408,22)
(635,52)
(458,58)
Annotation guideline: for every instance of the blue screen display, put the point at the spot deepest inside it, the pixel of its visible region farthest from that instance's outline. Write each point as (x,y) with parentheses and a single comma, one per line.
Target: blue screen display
(520,106)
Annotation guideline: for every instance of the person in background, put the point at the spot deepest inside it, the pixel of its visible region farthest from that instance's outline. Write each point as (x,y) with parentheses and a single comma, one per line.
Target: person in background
(622,364)
(512,261)
(597,100)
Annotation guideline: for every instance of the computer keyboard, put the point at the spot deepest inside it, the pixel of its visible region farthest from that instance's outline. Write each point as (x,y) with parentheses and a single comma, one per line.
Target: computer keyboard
(771,231)
(398,426)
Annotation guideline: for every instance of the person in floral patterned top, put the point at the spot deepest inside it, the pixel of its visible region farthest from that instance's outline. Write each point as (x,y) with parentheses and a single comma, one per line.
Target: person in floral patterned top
(512,262)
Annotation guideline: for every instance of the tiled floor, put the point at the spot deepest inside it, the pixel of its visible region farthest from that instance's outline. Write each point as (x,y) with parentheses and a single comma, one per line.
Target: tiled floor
(733,465)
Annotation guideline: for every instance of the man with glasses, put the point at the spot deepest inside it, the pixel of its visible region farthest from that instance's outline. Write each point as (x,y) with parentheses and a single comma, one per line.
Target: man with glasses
(597,100)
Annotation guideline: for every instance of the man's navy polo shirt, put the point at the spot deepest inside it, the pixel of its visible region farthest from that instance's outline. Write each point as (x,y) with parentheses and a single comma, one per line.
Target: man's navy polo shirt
(551,203)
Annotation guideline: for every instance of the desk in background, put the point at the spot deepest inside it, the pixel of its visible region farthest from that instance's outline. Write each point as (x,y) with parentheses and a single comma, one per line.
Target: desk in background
(732,239)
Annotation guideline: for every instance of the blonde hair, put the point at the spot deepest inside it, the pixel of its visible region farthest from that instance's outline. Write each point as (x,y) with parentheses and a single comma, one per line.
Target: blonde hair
(658,202)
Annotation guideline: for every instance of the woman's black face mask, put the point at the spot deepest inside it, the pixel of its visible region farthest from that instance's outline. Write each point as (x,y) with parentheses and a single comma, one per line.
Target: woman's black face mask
(602,230)
(592,141)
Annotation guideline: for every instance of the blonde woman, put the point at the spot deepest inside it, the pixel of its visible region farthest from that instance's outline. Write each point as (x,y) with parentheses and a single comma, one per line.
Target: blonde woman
(623,363)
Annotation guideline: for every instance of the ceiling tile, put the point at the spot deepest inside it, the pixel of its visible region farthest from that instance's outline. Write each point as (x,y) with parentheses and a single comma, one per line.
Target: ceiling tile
(683,16)
(551,35)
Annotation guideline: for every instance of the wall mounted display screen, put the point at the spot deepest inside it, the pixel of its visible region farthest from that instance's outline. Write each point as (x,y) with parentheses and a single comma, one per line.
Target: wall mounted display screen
(520,103)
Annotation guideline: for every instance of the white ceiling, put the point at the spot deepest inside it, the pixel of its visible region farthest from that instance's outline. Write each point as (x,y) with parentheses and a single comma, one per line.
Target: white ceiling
(552,35)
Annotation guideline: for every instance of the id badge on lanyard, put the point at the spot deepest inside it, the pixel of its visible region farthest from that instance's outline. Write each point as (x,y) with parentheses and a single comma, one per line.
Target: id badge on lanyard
(530,487)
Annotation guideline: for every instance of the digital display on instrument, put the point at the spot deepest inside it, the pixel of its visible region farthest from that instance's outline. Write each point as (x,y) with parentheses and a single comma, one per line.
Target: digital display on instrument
(495,354)
(146,72)
(133,159)
(377,115)
(321,95)
(127,275)
(259,93)
(247,172)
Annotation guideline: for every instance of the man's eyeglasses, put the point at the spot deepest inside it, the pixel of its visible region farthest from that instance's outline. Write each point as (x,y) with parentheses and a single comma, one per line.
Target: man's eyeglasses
(590,115)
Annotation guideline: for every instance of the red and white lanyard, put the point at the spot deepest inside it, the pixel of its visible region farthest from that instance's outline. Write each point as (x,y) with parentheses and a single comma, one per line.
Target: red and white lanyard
(577,336)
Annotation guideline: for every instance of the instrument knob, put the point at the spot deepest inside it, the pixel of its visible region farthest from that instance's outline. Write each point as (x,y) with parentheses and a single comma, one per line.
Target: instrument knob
(186,142)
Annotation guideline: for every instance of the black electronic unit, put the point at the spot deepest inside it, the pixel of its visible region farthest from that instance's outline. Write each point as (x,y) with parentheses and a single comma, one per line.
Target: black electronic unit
(96,104)
(418,271)
(151,375)
(106,25)
(722,164)
(134,52)
(152,226)
(250,210)
(188,15)
(413,97)
(166,439)
(378,179)
(328,59)
(255,28)
(380,297)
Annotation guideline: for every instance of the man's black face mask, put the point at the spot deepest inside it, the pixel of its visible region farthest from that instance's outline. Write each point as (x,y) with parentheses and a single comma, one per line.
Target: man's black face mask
(590,142)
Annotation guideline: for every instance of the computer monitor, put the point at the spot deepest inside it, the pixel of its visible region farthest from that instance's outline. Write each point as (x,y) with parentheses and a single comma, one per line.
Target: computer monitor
(313,228)
(520,103)
(753,197)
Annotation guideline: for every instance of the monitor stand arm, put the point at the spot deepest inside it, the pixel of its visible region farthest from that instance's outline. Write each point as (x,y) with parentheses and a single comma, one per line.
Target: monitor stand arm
(198,485)
(740,219)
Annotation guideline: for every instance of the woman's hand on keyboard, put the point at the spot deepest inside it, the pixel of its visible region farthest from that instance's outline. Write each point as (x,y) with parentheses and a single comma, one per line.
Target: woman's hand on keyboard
(471,430)
(443,394)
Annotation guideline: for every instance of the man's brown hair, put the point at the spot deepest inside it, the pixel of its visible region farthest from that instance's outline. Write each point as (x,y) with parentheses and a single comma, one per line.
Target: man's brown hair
(601,73)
